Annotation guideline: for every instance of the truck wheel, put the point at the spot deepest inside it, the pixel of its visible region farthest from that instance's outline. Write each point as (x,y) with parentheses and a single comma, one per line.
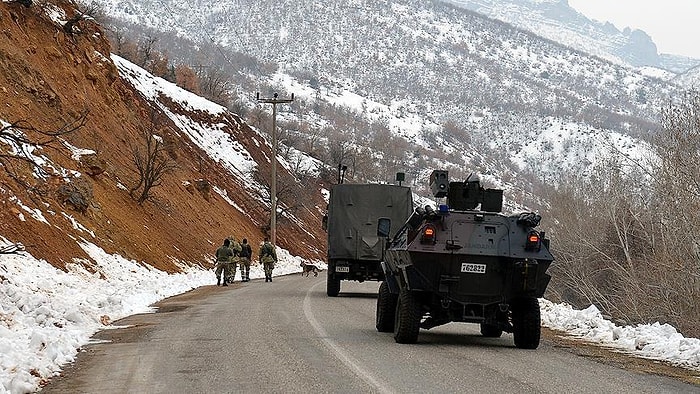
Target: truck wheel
(407,319)
(386,309)
(332,286)
(490,331)
(526,323)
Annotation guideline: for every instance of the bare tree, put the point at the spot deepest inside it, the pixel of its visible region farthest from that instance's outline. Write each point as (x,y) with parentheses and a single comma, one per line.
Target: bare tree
(186,78)
(84,10)
(312,139)
(290,193)
(151,162)
(146,50)
(122,45)
(679,144)
(677,189)
(237,105)
(626,239)
(259,118)
(21,138)
(215,85)
(14,248)
(341,151)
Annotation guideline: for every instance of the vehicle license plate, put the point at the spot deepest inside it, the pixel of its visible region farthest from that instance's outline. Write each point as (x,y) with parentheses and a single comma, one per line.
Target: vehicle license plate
(342,268)
(474,268)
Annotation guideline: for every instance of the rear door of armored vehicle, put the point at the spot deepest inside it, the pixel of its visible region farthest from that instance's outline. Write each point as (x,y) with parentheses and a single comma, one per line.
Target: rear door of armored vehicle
(354,249)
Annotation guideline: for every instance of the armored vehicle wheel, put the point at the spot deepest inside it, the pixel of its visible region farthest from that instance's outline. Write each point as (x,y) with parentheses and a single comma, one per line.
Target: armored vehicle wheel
(386,309)
(332,286)
(491,331)
(407,319)
(526,323)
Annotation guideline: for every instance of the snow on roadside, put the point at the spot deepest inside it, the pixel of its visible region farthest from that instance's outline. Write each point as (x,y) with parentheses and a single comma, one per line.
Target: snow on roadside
(654,341)
(47,315)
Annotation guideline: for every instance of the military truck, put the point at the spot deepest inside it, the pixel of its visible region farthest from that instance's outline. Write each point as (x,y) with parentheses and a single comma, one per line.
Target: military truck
(354,249)
(464,262)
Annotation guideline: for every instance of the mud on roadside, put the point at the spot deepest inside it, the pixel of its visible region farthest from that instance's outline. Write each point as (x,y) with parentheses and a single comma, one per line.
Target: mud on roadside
(618,359)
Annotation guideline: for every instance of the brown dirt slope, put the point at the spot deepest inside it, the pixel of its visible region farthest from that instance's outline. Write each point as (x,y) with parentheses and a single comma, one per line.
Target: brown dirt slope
(47,77)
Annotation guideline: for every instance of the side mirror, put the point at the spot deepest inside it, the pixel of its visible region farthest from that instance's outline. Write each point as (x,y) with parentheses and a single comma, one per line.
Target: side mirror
(383,227)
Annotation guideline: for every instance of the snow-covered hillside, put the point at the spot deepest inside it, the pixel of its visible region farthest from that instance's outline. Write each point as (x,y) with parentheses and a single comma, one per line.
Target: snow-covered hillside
(690,79)
(557,21)
(454,85)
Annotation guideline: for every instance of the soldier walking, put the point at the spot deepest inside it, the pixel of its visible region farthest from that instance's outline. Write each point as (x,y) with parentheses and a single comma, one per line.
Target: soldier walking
(233,263)
(267,257)
(223,256)
(246,256)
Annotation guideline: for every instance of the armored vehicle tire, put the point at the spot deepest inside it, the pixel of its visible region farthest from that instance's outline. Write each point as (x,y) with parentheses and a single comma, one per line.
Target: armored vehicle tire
(386,309)
(332,286)
(407,319)
(526,323)
(490,331)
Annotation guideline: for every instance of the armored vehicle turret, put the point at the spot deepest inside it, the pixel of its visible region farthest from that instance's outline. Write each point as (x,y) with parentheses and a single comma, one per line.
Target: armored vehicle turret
(464,262)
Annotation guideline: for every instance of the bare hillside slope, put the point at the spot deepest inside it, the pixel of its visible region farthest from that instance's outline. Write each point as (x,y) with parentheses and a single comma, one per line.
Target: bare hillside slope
(48,78)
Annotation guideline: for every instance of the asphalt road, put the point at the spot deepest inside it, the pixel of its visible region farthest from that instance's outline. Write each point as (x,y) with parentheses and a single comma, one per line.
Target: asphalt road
(289,337)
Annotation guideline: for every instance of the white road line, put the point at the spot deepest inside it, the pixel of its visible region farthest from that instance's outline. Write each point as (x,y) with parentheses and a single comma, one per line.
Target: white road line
(337,350)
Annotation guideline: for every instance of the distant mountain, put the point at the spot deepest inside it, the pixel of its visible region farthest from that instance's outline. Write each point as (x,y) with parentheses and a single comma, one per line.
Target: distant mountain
(678,64)
(690,79)
(556,20)
(454,89)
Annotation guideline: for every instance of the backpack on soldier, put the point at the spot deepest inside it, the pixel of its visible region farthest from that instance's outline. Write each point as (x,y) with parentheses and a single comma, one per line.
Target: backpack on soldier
(236,248)
(246,250)
(267,253)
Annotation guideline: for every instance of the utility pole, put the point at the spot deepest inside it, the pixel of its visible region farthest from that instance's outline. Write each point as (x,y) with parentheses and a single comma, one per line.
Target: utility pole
(273,184)
(341,173)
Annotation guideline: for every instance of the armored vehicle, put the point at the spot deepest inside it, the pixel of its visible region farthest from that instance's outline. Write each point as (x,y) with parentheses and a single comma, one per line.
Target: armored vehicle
(463,264)
(354,248)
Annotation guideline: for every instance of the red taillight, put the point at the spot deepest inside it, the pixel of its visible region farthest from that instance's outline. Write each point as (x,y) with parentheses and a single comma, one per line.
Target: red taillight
(428,235)
(533,241)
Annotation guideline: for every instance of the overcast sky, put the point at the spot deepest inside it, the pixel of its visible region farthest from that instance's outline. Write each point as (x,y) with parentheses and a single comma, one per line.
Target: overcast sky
(672,24)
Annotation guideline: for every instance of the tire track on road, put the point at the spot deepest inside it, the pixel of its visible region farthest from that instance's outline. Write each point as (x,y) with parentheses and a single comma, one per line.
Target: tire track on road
(352,363)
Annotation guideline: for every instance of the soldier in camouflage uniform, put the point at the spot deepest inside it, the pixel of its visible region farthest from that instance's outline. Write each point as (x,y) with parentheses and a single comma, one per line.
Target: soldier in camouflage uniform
(267,257)
(233,262)
(246,256)
(223,256)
